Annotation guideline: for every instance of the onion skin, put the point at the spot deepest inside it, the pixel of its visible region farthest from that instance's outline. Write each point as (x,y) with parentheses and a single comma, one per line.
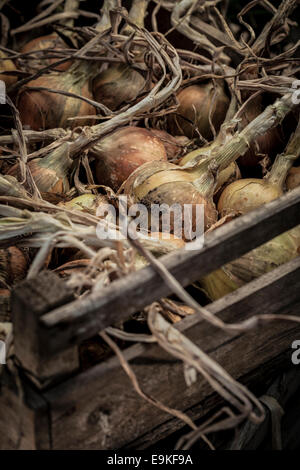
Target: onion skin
(165,183)
(49,173)
(173,145)
(117,85)
(194,107)
(41,110)
(293,178)
(7,66)
(13,266)
(51,41)
(85,203)
(247,194)
(121,153)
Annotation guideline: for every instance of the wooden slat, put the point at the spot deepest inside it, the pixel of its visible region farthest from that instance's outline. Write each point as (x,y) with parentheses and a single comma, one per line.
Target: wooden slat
(83,318)
(101,410)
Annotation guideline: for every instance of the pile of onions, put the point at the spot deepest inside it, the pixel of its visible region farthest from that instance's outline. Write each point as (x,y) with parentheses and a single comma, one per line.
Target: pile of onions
(293,179)
(7,65)
(197,104)
(118,85)
(41,109)
(122,152)
(241,197)
(159,182)
(49,173)
(51,41)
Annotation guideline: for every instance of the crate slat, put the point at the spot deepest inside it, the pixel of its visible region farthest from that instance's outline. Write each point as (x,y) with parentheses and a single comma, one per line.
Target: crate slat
(101,410)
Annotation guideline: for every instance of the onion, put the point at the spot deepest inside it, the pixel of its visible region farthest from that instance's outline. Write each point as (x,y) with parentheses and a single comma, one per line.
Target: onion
(265,145)
(40,110)
(122,152)
(51,41)
(7,66)
(193,112)
(118,85)
(293,179)
(245,195)
(13,266)
(49,173)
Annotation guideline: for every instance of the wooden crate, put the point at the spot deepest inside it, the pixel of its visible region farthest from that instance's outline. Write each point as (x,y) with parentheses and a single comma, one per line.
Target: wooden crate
(53,406)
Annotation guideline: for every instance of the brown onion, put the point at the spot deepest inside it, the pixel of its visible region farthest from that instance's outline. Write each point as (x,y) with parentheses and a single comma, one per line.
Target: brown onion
(40,109)
(122,152)
(293,178)
(118,85)
(7,65)
(49,173)
(193,112)
(51,41)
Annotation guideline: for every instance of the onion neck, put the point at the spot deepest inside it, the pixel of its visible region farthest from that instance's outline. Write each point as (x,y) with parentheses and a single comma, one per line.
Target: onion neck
(136,15)
(59,160)
(105,22)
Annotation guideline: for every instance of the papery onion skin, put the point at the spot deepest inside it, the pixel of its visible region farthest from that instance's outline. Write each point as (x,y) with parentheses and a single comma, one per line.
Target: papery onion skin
(173,145)
(121,153)
(50,173)
(13,266)
(195,102)
(41,110)
(247,194)
(293,178)
(85,203)
(7,66)
(117,85)
(51,41)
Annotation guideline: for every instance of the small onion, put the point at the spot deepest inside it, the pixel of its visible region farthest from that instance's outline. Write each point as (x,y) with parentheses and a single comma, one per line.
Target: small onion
(40,109)
(7,66)
(122,152)
(117,85)
(193,112)
(13,266)
(49,173)
(51,41)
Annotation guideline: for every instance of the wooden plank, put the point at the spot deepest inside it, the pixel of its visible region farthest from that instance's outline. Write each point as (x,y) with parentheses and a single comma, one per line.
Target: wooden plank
(30,300)
(83,318)
(101,410)
(24,421)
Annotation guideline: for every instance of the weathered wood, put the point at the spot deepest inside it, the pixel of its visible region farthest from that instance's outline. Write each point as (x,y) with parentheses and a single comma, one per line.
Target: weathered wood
(81,319)
(30,300)
(100,408)
(24,423)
